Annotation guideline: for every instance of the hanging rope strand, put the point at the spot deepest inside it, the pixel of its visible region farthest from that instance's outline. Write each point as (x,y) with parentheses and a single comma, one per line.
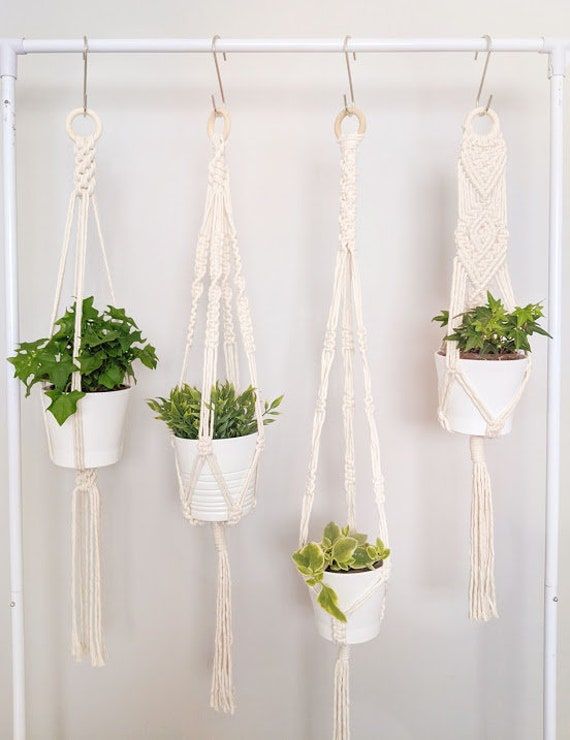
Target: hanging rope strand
(346,306)
(481,238)
(217,257)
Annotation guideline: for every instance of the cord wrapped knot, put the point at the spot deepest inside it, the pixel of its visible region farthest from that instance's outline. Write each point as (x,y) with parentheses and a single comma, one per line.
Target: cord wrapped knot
(85,479)
(84,175)
(204,446)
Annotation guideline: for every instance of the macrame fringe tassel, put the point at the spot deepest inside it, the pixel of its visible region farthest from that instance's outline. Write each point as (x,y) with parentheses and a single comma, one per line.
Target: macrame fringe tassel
(482,598)
(87,633)
(341,695)
(222,693)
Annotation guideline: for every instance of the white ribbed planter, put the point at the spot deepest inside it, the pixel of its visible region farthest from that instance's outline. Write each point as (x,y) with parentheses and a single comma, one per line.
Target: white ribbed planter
(103,417)
(364,623)
(234,457)
(495,382)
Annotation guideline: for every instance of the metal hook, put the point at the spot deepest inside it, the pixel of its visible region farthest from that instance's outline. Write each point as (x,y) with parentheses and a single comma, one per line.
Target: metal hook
(485,66)
(85,52)
(218,73)
(347,60)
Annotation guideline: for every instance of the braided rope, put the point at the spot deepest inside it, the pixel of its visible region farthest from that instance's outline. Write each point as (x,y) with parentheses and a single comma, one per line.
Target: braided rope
(87,632)
(218,263)
(346,307)
(481,239)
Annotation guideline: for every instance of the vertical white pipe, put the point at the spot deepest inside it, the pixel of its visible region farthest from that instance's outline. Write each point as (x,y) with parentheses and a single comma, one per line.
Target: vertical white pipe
(13,398)
(557,69)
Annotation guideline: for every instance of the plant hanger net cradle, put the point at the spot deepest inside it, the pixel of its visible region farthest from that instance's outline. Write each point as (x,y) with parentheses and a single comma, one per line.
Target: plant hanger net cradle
(346,307)
(218,263)
(87,633)
(481,239)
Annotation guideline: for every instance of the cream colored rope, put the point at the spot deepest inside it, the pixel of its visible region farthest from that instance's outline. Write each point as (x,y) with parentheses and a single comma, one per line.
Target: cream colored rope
(346,307)
(87,632)
(218,272)
(480,264)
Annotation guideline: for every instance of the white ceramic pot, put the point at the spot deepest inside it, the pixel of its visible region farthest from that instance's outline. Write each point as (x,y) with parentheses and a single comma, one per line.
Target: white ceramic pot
(234,457)
(364,623)
(103,417)
(496,383)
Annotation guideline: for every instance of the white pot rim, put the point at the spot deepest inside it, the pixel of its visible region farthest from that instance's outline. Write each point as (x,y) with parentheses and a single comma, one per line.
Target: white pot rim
(488,358)
(221,441)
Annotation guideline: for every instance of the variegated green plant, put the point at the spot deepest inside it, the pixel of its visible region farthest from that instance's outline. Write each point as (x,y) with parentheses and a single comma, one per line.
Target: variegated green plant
(340,549)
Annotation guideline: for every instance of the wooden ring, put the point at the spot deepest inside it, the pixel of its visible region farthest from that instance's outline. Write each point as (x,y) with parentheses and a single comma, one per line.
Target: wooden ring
(481,112)
(86,114)
(352,110)
(219,113)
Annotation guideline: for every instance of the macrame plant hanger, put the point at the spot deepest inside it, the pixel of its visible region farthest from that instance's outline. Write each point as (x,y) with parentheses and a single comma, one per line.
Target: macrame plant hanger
(346,307)
(87,634)
(480,264)
(218,263)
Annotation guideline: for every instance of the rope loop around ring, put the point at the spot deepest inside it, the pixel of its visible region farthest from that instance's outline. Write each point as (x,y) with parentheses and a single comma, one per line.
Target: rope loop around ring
(352,110)
(214,115)
(79,112)
(481,112)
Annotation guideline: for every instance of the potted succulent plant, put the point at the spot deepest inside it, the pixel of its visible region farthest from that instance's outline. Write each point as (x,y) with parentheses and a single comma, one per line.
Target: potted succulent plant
(339,569)
(493,344)
(111,343)
(233,443)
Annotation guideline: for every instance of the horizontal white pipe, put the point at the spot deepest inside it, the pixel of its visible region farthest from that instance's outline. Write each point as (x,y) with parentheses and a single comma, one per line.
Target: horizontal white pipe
(50,46)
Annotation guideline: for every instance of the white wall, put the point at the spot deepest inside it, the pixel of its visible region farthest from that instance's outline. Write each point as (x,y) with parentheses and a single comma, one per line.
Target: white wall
(432,674)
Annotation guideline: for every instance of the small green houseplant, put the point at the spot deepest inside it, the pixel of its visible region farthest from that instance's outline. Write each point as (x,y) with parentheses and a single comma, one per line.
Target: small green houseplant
(491,332)
(340,550)
(111,343)
(213,486)
(234,413)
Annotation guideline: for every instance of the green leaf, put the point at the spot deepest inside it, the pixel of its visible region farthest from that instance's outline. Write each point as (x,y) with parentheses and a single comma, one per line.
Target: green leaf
(332,532)
(343,549)
(63,405)
(310,557)
(112,377)
(328,600)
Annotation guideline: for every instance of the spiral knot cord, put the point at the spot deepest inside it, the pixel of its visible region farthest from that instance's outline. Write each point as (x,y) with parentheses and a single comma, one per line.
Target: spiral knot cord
(217,170)
(84,175)
(204,446)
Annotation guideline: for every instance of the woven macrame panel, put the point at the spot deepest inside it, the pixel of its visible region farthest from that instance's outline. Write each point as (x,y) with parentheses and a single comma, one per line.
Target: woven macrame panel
(480,265)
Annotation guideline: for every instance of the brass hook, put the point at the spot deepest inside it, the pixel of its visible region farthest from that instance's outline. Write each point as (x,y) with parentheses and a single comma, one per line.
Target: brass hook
(485,66)
(218,73)
(85,52)
(350,85)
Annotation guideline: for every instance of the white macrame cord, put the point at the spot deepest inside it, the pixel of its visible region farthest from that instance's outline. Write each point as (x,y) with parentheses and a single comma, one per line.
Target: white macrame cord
(218,262)
(481,239)
(346,307)
(87,633)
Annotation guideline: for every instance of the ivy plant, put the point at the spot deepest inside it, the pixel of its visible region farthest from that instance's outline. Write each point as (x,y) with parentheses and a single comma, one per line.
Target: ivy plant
(234,413)
(110,343)
(340,549)
(492,330)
